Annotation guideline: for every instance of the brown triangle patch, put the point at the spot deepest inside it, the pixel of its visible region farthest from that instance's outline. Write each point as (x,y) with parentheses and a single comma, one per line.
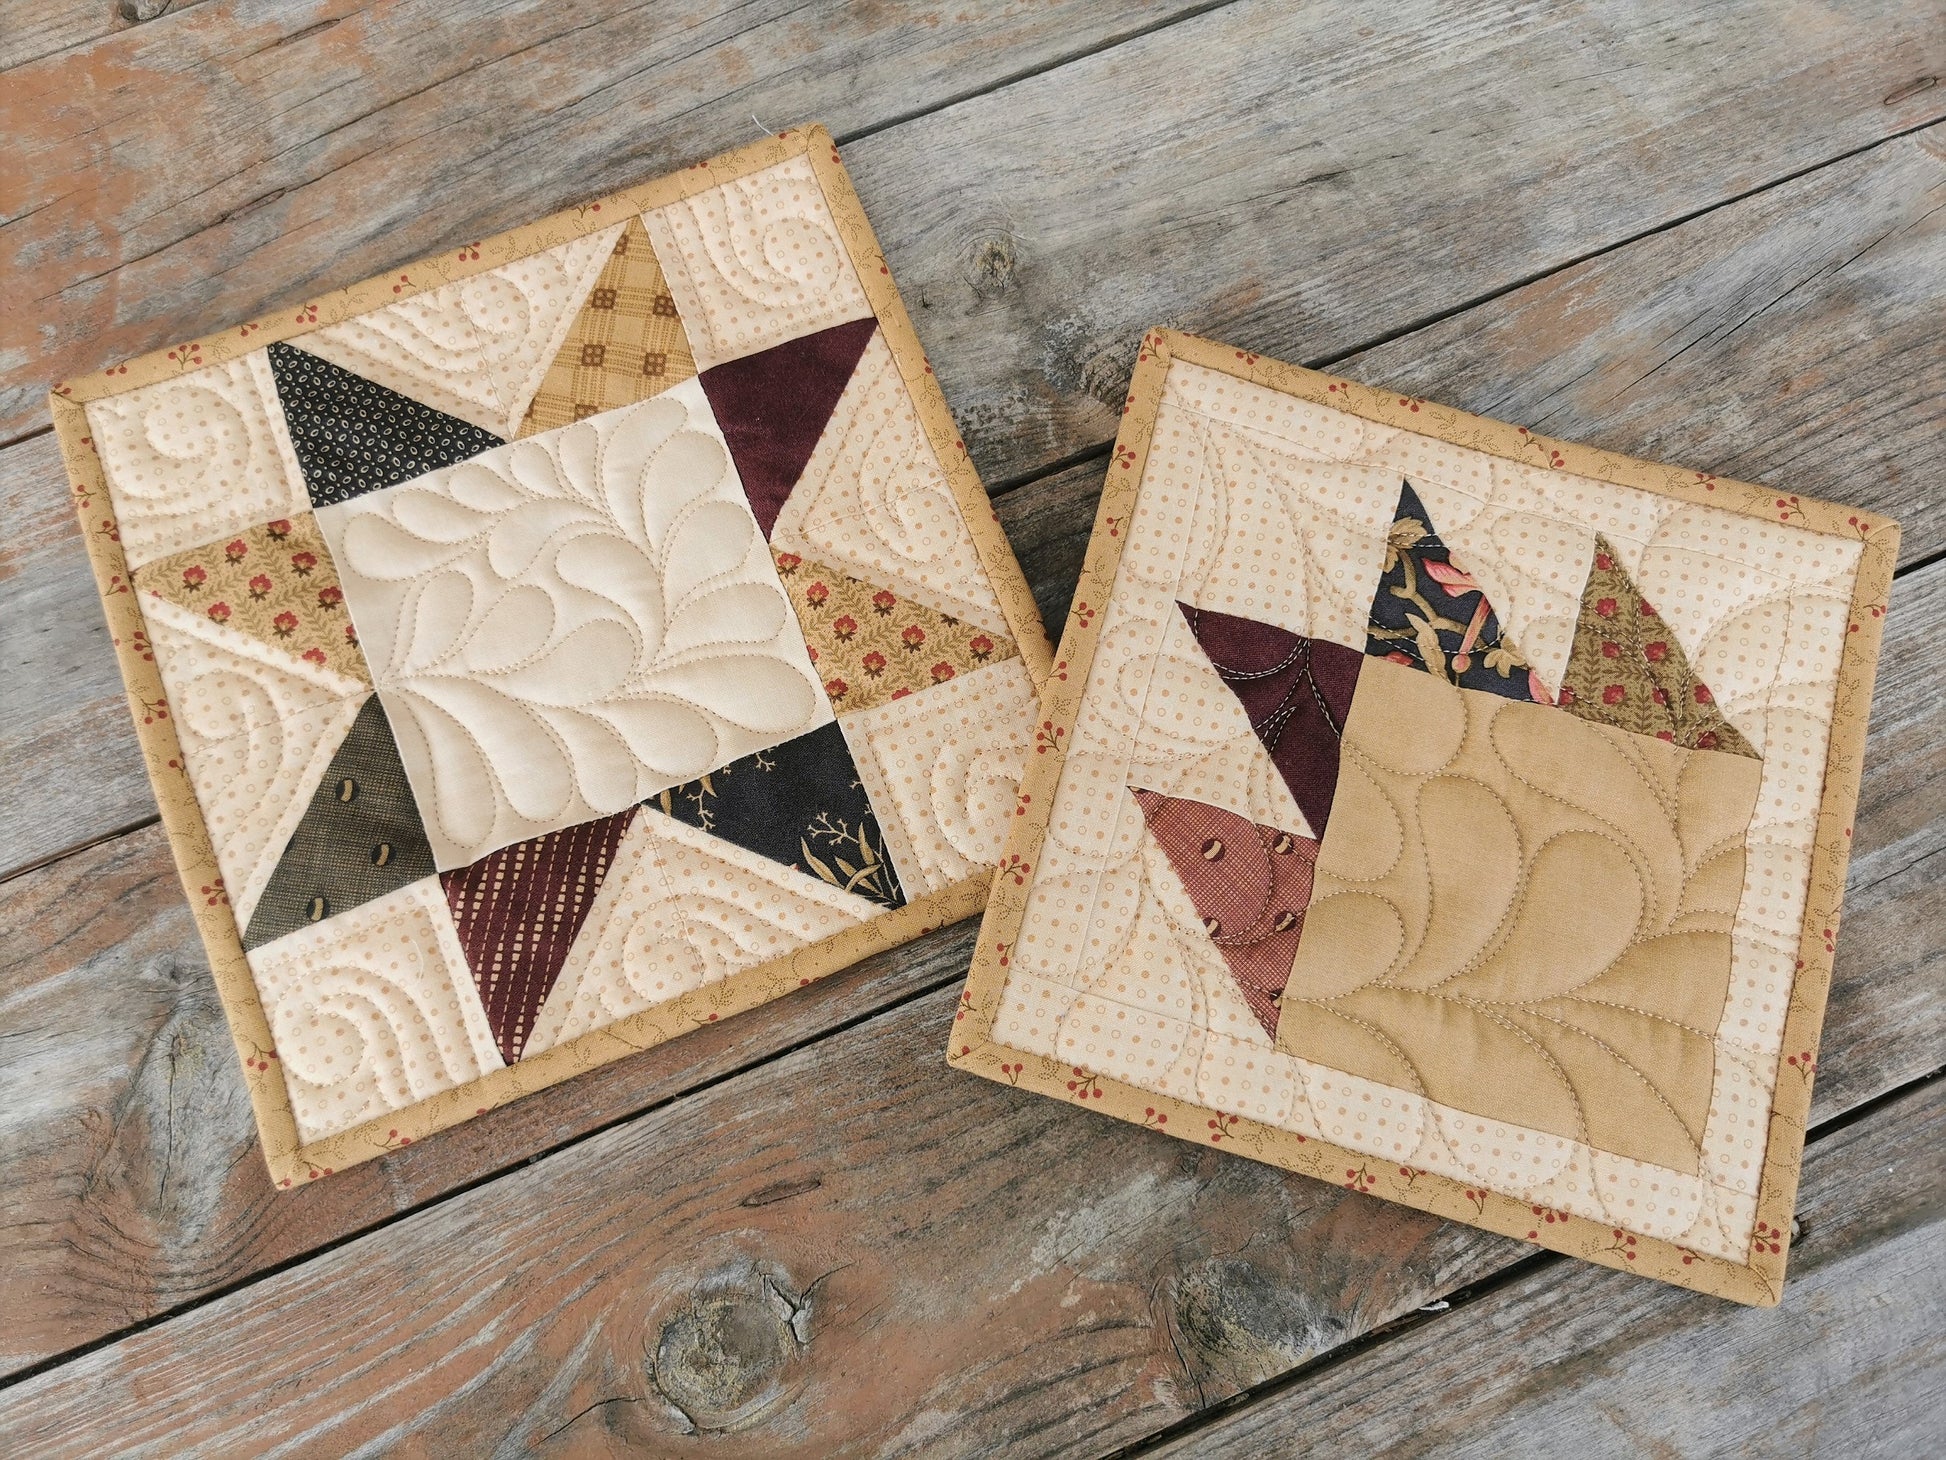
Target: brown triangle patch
(275,582)
(870,644)
(1627,670)
(517,912)
(627,343)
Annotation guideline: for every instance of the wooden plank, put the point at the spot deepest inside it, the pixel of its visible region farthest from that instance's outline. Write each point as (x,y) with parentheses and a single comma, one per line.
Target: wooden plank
(1304,181)
(313,143)
(1568,1360)
(850,1249)
(1764,398)
(138,1186)
(31,29)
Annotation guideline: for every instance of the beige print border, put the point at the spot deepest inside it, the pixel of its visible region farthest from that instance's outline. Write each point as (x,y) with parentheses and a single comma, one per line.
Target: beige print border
(973,1048)
(291,1162)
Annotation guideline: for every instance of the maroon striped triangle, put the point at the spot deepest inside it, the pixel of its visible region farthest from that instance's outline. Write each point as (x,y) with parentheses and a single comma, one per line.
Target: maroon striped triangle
(517,913)
(772,407)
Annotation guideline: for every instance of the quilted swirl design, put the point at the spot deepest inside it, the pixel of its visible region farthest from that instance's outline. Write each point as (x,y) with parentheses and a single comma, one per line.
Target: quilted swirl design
(564,626)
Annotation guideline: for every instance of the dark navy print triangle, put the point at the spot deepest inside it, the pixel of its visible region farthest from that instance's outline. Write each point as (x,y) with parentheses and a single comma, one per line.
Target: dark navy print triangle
(799,804)
(772,407)
(352,435)
(360,839)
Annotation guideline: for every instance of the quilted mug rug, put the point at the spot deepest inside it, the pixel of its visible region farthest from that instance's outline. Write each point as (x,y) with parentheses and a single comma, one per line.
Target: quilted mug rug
(558,644)
(1445,812)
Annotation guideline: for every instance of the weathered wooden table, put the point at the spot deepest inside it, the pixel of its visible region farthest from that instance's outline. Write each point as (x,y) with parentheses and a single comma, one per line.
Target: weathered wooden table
(1714,234)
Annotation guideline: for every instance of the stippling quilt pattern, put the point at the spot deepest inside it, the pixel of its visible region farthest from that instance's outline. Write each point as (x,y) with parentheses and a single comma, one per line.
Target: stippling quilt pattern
(1445,812)
(557,645)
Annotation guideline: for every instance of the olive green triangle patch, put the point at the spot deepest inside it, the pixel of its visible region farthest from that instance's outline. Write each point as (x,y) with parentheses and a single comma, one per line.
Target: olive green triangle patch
(360,839)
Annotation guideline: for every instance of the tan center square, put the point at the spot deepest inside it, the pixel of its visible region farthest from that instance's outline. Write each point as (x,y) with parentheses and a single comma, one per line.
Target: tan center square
(1524,915)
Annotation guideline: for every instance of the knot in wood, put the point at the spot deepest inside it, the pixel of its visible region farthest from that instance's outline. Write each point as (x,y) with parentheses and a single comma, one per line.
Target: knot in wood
(721,1359)
(990,263)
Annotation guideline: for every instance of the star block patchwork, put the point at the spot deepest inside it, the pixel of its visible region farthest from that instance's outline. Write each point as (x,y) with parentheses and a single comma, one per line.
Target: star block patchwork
(1537,949)
(557,645)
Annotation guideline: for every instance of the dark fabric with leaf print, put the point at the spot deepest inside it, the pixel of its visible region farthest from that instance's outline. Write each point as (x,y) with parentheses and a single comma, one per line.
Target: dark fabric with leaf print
(801,804)
(353,435)
(360,839)
(1429,613)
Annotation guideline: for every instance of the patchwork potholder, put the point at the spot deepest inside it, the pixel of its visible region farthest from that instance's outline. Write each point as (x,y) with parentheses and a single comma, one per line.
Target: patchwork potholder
(557,644)
(1442,811)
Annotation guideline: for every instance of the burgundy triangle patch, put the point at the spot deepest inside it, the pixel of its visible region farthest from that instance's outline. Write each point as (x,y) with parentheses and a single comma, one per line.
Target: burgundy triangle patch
(1297,692)
(772,407)
(1250,885)
(517,912)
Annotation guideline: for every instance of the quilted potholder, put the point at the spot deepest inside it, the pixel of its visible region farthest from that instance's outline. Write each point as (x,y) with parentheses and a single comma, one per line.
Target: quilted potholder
(1442,811)
(558,644)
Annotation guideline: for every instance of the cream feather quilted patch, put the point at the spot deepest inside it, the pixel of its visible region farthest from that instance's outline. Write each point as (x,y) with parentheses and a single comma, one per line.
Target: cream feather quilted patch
(1445,812)
(558,644)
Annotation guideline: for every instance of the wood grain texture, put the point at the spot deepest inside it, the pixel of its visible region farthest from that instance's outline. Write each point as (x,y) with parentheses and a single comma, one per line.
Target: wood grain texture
(1304,180)
(859,1251)
(313,143)
(32,29)
(1760,397)
(1565,1360)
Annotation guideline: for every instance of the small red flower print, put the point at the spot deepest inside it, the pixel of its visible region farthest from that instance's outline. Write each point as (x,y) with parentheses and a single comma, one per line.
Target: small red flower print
(789,562)
(900,693)
(816,594)
(941,672)
(313,655)
(844,626)
(812,650)
(351,635)
(1399,656)
(1655,652)
(194,577)
(302,563)
(278,530)
(1567,696)
(980,646)
(220,612)
(1613,694)
(285,624)
(1606,607)
(884,601)
(873,663)
(1610,649)
(260,586)
(1604,562)
(237,551)
(1703,695)
(913,637)
(1706,741)
(836,688)
(330,596)
(1660,695)
(1667,735)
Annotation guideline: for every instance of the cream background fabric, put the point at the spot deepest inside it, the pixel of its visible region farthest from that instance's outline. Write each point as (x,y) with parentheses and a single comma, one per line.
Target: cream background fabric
(755,262)
(564,626)
(681,910)
(874,502)
(476,349)
(193,460)
(372,1010)
(942,769)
